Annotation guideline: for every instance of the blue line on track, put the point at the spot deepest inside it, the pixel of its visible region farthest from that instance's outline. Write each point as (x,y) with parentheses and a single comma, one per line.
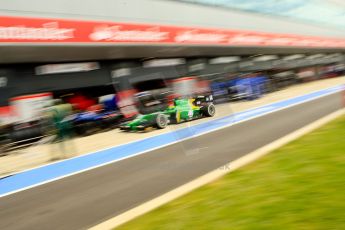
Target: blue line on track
(56,170)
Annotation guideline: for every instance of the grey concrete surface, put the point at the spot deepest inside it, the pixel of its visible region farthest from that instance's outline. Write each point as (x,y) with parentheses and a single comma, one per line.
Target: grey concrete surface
(85,199)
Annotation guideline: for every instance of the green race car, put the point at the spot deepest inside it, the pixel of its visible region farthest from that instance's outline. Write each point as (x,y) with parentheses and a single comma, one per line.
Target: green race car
(182,110)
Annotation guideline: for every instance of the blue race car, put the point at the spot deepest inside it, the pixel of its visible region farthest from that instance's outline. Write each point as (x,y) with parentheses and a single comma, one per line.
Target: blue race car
(86,123)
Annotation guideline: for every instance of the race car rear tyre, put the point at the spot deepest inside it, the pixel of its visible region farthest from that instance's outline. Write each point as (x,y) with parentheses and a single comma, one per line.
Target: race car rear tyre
(26,133)
(85,129)
(209,110)
(161,121)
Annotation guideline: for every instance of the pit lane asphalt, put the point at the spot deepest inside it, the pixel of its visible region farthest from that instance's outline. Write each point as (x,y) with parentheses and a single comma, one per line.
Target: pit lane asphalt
(86,199)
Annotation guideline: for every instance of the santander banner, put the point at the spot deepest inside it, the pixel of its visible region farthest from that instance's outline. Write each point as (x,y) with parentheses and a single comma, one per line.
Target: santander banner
(44,30)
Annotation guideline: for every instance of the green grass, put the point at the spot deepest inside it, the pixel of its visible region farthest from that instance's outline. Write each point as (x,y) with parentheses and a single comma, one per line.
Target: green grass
(299,186)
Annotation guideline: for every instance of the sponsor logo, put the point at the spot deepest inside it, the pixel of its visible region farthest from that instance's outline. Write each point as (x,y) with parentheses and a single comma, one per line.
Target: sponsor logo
(304,42)
(247,39)
(48,31)
(120,72)
(66,68)
(197,67)
(117,33)
(281,41)
(195,36)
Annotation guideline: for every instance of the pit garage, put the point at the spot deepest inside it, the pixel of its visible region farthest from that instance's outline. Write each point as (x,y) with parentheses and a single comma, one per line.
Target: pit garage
(94,69)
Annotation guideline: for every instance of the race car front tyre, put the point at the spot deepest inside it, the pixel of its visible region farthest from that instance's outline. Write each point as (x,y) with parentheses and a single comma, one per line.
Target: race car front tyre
(85,129)
(26,133)
(209,110)
(161,121)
